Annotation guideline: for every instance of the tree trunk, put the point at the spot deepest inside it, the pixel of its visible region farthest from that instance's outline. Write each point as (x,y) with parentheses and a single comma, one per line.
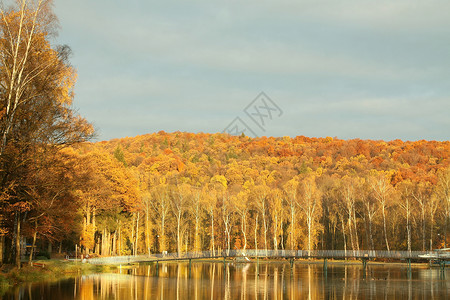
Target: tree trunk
(243,228)
(275,231)
(265,231)
(178,235)
(292,228)
(147,229)
(109,243)
(97,246)
(343,233)
(212,233)
(114,245)
(197,247)
(228,241)
(423,229)
(93,226)
(372,245)
(256,234)
(431,231)
(2,246)
(384,228)
(87,223)
(356,229)
(309,232)
(34,243)
(408,229)
(102,243)
(136,243)
(119,242)
(445,232)
(186,242)
(366,229)
(17,241)
(133,233)
(350,230)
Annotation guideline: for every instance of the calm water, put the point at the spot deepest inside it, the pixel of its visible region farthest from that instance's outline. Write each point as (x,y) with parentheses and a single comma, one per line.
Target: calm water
(241,281)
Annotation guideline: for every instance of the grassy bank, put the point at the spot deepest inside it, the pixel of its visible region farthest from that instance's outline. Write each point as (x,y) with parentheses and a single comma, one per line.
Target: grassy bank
(46,270)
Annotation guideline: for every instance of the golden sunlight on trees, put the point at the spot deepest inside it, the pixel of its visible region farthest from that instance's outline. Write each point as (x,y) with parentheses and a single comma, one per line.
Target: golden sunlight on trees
(383,191)
(311,208)
(36,116)
(192,192)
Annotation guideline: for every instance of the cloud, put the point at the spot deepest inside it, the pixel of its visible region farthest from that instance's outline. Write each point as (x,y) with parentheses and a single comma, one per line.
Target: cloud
(343,66)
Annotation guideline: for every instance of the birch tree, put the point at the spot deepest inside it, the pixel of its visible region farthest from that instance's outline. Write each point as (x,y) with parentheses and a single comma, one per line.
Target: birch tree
(196,211)
(36,82)
(348,189)
(370,205)
(179,204)
(210,203)
(405,203)
(161,208)
(260,195)
(443,192)
(310,205)
(291,190)
(276,213)
(242,208)
(382,190)
(421,194)
(227,214)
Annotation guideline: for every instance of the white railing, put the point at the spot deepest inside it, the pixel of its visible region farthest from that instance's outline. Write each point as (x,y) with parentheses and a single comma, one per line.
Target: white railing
(337,254)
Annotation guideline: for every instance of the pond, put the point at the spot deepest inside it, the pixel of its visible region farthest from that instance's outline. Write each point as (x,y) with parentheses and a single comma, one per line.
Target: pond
(266,280)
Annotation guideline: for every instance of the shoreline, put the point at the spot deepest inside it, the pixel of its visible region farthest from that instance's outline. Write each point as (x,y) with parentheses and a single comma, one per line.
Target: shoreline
(57,269)
(47,270)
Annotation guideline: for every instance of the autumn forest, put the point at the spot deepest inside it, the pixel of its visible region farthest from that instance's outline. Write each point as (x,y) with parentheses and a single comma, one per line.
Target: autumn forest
(180,191)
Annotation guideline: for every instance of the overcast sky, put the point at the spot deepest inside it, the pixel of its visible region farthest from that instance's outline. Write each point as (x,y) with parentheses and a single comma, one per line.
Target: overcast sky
(351,69)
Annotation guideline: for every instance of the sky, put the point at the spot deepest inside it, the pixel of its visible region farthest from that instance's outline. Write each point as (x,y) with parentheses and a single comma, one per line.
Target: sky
(346,69)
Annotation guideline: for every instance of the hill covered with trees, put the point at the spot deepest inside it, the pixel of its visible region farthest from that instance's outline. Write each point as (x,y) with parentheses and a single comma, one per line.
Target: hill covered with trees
(190,192)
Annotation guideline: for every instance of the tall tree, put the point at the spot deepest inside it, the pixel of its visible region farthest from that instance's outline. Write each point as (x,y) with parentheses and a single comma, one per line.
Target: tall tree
(371,207)
(260,195)
(242,209)
(36,114)
(179,202)
(405,203)
(310,205)
(443,191)
(210,202)
(227,217)
(422,193)
(348,189)
(291,189)
(382,190)
(161,207)
(276,213)
(196,211)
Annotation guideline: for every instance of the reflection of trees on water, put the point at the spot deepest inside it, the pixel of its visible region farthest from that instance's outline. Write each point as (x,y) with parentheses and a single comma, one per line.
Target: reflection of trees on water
(256,282)
(213,268)
(242,281)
